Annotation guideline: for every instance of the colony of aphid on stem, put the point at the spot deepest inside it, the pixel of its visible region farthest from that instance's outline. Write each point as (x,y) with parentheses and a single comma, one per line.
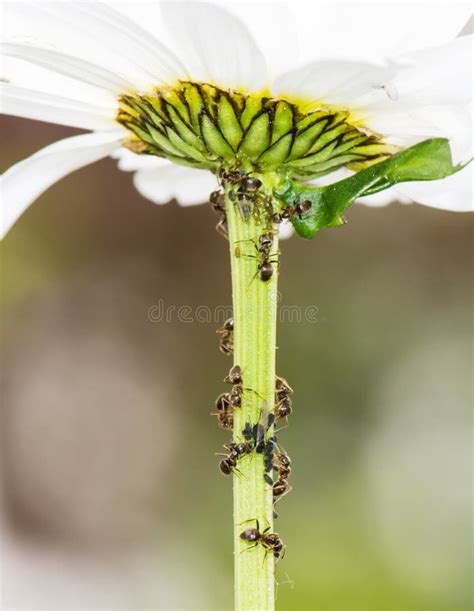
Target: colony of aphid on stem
(259,438)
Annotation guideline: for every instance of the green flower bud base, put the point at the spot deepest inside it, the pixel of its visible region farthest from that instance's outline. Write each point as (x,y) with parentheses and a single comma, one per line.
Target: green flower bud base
(203,126)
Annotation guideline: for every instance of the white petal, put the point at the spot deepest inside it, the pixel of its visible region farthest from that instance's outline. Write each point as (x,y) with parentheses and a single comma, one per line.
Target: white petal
(95,32)
(286,231)
(29,76)
(370,31)
(436,76)
(452,193)
(68,65)
(333,82)
(271,25)
(29,104)
(187,185)
(25,181)
(217,45)
(130,162)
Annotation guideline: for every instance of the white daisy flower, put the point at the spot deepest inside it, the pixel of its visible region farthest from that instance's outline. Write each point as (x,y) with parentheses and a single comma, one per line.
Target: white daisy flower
(177,90)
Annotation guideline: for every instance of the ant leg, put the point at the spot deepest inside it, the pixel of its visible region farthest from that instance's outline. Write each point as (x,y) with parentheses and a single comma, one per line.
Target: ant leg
(247,549)
(283,427)
(222,231)
(254,391)
(253,278)
(244,255)
(250,520)
(267,551)
(246,240)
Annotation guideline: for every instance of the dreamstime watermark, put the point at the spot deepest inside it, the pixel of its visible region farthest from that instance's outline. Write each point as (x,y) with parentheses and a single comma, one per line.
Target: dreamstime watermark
(168,313)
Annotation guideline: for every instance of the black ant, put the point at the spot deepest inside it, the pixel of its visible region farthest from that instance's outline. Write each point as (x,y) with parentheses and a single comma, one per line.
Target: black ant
(235,378)
(281,486)
(232,177)
(226,343)
(283,390)
(235,375)
(270,541)
(217,201)
(299,210)
(247,190)
(228,464)
(225,411)
(265,266)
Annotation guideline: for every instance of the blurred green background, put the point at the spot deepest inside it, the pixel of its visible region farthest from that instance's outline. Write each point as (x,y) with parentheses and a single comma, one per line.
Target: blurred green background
(111,493)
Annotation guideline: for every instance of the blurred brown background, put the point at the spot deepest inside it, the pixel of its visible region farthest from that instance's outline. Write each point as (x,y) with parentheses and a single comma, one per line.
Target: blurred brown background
(111,493)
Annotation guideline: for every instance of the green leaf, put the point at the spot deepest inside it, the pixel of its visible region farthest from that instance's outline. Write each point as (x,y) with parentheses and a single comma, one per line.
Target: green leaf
(428,160)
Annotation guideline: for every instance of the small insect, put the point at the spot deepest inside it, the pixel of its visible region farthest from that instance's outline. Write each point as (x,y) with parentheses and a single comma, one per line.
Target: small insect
(235,378)
(282,388)
(217,201)
(247,191)
(283,466)
(226,342)
(283,408)
(299,210)
(263,248)
(229,464)
(235,375)
(260,429)
(224,411)
(265,268)
(268,460)
(249,185)
(230,176)
(270,541)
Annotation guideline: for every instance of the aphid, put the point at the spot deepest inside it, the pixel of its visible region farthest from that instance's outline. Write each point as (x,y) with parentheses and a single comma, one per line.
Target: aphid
(270,541)
(228,464)
(270,448)
(260,429)
(224,411)
(247,432)
(226,342)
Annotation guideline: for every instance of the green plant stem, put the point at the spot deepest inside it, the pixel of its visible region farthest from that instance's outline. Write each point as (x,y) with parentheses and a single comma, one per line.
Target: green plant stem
(255,311)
